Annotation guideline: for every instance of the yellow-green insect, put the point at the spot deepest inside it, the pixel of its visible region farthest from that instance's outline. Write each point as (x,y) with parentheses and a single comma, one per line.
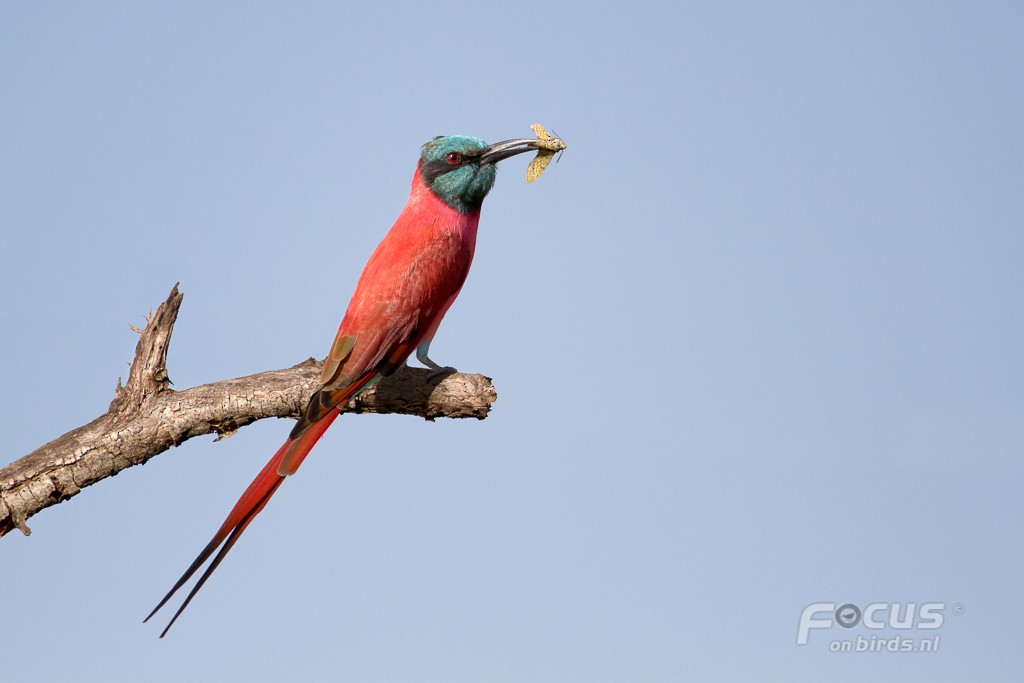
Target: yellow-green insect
(546,147)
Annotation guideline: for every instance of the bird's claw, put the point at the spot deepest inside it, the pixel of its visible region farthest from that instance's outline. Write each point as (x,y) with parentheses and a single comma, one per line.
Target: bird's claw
(437,371)
(441,372)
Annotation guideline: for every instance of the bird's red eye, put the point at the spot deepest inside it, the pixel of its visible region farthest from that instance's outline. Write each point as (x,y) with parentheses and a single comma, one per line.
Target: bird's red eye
(454,158)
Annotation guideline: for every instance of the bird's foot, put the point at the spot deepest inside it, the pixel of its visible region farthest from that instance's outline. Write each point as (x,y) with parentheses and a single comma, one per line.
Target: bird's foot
(436,371)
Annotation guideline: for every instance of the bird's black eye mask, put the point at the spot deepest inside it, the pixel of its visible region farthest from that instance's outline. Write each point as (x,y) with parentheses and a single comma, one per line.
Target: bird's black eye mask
(433,169)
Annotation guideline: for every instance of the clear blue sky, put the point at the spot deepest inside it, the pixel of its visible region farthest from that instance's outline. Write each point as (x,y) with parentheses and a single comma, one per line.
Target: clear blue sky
(757,337)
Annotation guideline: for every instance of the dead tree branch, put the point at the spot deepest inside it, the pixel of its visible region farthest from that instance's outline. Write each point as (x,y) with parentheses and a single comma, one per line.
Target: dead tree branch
(147,417)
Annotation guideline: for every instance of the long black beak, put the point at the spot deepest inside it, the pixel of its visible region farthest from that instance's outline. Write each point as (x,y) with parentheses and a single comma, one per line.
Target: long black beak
(507,148)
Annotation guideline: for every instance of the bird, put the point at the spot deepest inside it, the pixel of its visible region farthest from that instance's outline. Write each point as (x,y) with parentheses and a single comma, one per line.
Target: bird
(405,289)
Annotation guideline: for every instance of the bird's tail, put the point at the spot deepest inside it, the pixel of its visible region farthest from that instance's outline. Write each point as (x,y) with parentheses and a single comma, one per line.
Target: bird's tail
(294,450)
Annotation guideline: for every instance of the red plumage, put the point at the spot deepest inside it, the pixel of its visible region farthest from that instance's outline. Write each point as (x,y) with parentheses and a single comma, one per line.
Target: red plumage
(407,286)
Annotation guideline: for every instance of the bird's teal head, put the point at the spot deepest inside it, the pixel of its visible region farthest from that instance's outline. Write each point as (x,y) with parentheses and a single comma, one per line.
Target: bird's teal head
(461,170)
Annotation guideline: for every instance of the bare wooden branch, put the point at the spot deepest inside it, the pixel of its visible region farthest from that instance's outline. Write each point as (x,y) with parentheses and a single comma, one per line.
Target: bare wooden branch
(147,417)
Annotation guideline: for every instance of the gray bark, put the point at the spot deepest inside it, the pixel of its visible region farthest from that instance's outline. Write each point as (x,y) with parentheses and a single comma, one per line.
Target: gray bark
(147,417)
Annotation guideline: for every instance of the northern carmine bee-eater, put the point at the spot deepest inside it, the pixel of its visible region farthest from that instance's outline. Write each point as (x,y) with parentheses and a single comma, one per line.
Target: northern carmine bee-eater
(407,286)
